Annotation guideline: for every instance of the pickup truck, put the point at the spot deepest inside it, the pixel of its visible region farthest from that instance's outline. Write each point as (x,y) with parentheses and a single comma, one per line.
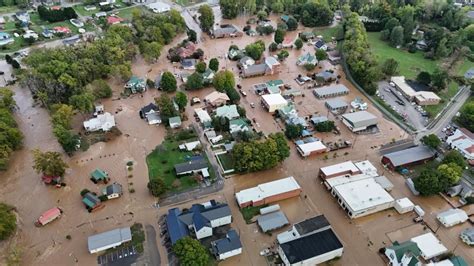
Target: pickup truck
(49,216)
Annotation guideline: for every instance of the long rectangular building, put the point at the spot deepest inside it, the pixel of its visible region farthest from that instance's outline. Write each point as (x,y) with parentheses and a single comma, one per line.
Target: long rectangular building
(109,239)
(348,169)
(359,121)
(268,192)
(330,91)
(411,156)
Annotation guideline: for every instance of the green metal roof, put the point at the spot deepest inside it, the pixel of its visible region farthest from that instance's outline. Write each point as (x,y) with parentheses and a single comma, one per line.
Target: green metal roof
(99,174)
(405,247)
(458,261)
(175,119)
(238,122)
(88,202)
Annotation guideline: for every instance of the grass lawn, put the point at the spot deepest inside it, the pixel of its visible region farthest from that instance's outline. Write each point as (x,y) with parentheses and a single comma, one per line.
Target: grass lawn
(445,95)
(12,47)
(9,26)
(409,64)
(127,13)
(465,66)
(249,212)
(161,165)
(8,9)
(226,160)
(80,10)
(187,2)
(326,32)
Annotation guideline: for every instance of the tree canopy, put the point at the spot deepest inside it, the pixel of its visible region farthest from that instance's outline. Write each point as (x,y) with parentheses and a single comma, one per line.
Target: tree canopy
(7,221)
(293,131)
(453,156)
(214,64)
(168,82)
(224,80)
(255,50)
(10,136)
(316,14)
(466,117)
(49,163)
(431,141)
(166,106)
(190,252)
(157,187)
(195,81)
(206,18)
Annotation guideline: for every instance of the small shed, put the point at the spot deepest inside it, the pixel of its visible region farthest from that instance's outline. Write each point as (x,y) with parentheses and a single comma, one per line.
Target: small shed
(404,205)
(99,175)
(336,105)
(272,221)
(113,191)
(175,122)
(384,182)
(452,217)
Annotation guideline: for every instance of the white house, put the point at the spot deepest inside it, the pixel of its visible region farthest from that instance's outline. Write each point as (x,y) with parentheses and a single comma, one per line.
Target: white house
(463,141)
(203,115)
(159,7)
(273,102)
(404,205)
(229,111)
(403,254)
(113,191)
(227,247)
(103,122)
(30,34)
(452,217)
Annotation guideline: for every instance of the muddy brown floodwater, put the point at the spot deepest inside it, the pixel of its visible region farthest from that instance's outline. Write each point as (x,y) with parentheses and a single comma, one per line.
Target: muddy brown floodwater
(48,245)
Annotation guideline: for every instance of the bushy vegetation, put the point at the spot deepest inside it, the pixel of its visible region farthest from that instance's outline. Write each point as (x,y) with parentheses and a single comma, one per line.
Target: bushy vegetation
(10,136)
(7,221)
(55,15)
(190,252)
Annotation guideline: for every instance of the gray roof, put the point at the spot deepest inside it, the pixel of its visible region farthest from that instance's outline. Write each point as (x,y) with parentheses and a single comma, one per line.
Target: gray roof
(217,213)
(258,69)
(469,233)
(384,182)
(190,166)
(272,221)
(336,103)
(114,188)
(411,155)
(318,119)
(331,90)
(311,225)
(360,116)
(113,237)
(326,75)
(469,73)
(229,243)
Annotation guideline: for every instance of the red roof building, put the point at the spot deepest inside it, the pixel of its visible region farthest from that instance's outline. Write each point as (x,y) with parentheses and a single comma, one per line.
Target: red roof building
(112,20)
(60,29)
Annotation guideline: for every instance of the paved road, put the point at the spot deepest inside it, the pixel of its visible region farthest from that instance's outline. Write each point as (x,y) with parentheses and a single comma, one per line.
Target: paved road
(153,253)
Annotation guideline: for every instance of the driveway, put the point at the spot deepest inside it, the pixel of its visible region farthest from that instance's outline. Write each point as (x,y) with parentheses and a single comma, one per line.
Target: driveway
(151,246)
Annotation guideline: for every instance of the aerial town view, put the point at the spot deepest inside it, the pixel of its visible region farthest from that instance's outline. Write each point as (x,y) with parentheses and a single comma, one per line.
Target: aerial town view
(237,132)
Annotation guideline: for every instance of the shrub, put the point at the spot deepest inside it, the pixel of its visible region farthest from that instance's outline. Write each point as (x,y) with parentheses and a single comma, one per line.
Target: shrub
(129,163)
(131,190)
(103,198)
(84,192)
(68,237)
(7,221)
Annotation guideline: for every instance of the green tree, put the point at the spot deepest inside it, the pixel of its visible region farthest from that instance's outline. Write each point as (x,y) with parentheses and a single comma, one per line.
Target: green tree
(181,100)
(190,252)
(262,14)
(442,49)
(214,64)
(279,36)
(451,172)
(201,67)
(298,43)
(390,67)
(68,140)
(100,89)
(428,182)
(431,141)
(424,77)
(293,131)
(315,14)
(391,23)
(194,81)
(230,8)
(166,106)
(224,80)
(466,117)
(62,115)
(192,36)
(439,79)
(407,21)
(234,96)
(292,23)
(326,126)
(6,99)
(282,55)
(396,36)
(168,82)
(321,54)
(273,47)
(277,7)
(157,187)
(7,221)
(255,50)
(206,18)
(220,123)
(283,150)
(309,67)
(83,102)
(453,156)
(151,51)
(49,163)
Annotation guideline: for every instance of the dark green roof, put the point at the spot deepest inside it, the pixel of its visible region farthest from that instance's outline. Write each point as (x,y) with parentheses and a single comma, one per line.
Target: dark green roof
(458,261)
(99,174)
(405,247)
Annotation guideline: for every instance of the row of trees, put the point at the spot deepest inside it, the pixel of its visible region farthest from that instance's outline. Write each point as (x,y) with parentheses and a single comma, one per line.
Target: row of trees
(466,117)
(359,59)
(56,15)
(433,180)
(19,3)
(10,136)
(260,155)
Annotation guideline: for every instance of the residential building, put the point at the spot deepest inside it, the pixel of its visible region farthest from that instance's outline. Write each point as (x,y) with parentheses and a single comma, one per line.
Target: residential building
(174,122)
(109,239)
(404,205)
(274,86)
(463,141)
(268,192)
(229,111)
(136,84)
(225,31)
(306,35)
(23,17)
(203,115)
(245,62)
(403,254)
(150,112)
(113,191)
(429,246)
(273,102)
(315,119)
(190,146)
(452,217)
(238,125)
(467,236)
(334,57)
(336,105)
(92,202)
(309,146)
(192,167)
(61,30)
(208,76)
(113,20)
(104,122)
(359,121)
(235,54)
(408,157)
(309,242)
(216,98)
(269,66)
(330,91)
(359,104)
(227,247)
(99,175)
(159,7)
(272,221)
(307,58)
(362,197)
(47,33)
(197,221)
(5,38)
(70,41)
(321,45)
(326,76)
(420,97)
(469,74)
(30,34)
(188,64)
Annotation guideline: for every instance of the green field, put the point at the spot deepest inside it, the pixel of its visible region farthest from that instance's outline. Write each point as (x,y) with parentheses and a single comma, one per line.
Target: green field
(326,32)
(8,9)
(226,160)
(409,63)
(80,10)
(464,66)
(161,165)
(249,212)
(127,13)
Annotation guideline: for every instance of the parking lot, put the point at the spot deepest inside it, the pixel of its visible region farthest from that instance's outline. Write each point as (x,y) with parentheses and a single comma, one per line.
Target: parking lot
(402,106)
(121,256)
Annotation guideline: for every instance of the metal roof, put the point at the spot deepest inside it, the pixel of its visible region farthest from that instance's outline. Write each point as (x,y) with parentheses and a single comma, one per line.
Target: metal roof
(411,155)
(176,229)
(360,116)
(272,221)
(229,243)
(331,90)
(311,225)
(114,237)
(190,166)
(336,104)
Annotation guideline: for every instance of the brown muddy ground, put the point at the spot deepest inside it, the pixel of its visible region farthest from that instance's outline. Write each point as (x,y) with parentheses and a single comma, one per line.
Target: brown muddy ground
(48,246)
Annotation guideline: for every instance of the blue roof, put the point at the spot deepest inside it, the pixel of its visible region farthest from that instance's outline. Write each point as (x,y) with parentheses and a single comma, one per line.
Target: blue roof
(199,221)
(230,243)
(176,229)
